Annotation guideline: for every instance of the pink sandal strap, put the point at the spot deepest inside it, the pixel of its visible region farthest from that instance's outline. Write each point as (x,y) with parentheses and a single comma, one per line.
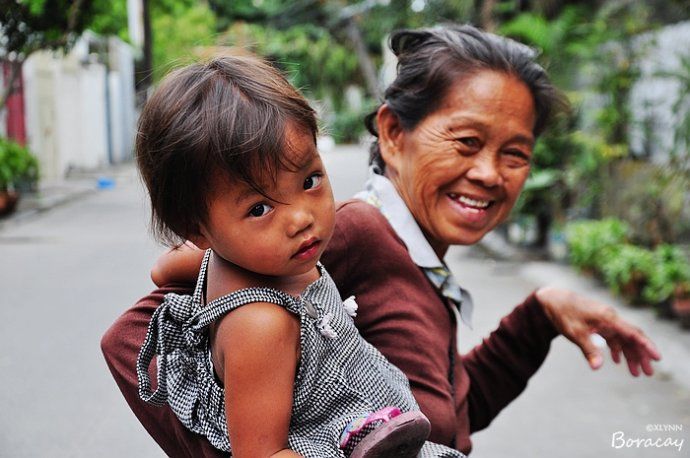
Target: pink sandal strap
(361,422)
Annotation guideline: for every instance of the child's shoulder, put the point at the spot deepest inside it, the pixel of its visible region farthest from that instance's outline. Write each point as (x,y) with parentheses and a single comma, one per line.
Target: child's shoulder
(223,279)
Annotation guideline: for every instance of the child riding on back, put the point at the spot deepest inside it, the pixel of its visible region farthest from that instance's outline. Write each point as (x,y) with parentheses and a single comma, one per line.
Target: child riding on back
(264,358)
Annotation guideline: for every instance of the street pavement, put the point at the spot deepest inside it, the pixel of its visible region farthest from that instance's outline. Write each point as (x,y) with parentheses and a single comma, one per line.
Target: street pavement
(67,273)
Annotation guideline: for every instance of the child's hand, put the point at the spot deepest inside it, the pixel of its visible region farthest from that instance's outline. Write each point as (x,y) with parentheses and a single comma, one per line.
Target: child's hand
(178,265)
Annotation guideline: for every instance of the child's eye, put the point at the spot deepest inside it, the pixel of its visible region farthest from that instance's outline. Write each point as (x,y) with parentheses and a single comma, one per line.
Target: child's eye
(313,181)
(259,210)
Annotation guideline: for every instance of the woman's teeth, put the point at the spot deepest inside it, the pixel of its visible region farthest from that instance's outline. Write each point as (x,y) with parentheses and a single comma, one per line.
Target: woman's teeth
(470,202)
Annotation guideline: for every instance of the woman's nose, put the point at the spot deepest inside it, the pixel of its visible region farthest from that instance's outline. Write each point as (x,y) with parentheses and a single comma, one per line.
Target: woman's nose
(300,220)
(485,169)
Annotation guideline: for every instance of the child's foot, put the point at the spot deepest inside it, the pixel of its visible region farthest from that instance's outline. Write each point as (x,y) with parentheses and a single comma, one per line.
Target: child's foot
(389,433)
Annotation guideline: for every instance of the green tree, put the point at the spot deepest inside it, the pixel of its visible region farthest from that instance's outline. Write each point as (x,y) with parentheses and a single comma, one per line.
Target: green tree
(110,18)
(570,168)
(31,25)
(177,31)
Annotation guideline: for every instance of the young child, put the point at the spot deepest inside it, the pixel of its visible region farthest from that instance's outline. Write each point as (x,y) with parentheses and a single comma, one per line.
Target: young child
(264,358)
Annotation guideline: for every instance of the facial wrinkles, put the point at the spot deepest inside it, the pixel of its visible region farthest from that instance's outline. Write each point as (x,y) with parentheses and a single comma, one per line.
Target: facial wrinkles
(436,156)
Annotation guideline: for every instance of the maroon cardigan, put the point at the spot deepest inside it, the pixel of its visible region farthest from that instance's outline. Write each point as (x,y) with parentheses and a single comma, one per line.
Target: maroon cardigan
(401,314)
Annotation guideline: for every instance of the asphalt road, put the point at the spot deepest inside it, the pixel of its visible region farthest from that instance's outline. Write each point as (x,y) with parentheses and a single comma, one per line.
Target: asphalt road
(66,274)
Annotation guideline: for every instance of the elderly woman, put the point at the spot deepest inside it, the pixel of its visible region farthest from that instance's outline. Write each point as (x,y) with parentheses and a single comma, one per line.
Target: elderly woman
(455,137)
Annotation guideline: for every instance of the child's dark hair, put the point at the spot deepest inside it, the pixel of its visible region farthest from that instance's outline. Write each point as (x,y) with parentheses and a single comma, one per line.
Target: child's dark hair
(226,117)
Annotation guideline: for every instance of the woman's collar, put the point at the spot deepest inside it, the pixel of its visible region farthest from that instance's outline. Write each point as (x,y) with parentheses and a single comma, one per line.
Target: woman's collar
(381,193)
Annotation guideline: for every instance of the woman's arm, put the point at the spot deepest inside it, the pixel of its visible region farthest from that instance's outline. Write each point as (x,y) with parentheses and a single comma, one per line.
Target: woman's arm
(178,265)
(521,343)
(256,349)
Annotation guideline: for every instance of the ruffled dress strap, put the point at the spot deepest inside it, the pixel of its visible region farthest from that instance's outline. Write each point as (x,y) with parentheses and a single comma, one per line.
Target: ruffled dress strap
(180,322)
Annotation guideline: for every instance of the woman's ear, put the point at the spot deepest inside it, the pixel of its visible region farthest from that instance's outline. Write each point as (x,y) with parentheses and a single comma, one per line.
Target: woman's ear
(391,136)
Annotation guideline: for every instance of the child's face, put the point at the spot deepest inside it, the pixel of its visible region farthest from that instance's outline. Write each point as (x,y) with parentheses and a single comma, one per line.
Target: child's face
(280,237)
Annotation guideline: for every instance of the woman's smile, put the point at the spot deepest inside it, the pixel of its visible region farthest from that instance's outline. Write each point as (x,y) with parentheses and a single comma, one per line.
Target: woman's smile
(474,211)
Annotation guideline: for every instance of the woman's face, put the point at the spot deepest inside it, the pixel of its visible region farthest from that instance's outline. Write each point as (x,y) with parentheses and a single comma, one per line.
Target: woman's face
(461,169)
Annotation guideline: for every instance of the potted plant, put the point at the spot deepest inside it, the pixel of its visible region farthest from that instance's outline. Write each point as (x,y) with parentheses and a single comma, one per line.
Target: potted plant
(679,276)
(681,303)
(659,291)
(590,242)
(18,170)
(627,271)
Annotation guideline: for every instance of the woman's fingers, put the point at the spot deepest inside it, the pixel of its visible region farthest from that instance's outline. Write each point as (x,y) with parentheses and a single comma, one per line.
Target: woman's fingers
(615,351)
(638,350)
(591,352)
(633,367)
(646,365)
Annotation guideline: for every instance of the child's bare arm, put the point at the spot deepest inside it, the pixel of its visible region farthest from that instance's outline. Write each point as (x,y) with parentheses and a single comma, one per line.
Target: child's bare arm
(258,347)
(178,265)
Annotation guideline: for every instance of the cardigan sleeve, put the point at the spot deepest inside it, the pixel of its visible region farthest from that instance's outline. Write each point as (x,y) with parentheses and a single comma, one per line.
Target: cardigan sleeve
(120,345)
(500,367)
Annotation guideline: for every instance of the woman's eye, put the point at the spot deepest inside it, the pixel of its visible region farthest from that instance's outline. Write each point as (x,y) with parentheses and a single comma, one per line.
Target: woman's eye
(518,154)
(259,210)
(470,142)
(313,181)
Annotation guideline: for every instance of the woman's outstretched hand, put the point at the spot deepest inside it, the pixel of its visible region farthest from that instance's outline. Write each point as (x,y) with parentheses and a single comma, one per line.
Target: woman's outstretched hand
(578,317)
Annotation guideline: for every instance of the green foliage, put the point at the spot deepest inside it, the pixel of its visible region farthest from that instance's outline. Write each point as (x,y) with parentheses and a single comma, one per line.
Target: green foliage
(633,271)
(17,165)
(680,154)
(30,25)
(110,18)
(597,39)
(672,269)
(311,58)
(590,240)
(347,126)
(652,198)
(178,30)
(626,268)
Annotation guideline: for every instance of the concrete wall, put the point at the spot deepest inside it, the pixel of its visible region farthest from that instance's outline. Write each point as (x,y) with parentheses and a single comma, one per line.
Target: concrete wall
(80,111)
(123,116)
(653,95)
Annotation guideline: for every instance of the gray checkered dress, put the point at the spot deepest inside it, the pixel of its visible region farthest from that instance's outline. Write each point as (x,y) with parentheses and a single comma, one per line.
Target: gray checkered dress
(339,377)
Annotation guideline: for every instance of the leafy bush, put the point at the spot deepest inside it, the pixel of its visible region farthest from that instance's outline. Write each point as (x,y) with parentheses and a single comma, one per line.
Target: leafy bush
(347,126)
(627,269)
(589,241)
(17,165)
(672,269)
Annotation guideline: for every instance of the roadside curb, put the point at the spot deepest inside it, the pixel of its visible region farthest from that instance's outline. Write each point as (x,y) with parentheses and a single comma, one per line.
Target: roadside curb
(43,205)
(78,185)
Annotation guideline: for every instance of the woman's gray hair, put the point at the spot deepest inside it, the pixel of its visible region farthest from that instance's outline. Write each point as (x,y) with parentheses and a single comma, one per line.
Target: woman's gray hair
(431,60)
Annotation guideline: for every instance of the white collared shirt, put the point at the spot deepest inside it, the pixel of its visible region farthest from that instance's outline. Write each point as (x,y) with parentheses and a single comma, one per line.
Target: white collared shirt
(380,192)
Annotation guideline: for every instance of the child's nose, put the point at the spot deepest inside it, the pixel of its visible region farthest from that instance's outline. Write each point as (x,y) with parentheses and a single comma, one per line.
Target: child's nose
(301,219)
